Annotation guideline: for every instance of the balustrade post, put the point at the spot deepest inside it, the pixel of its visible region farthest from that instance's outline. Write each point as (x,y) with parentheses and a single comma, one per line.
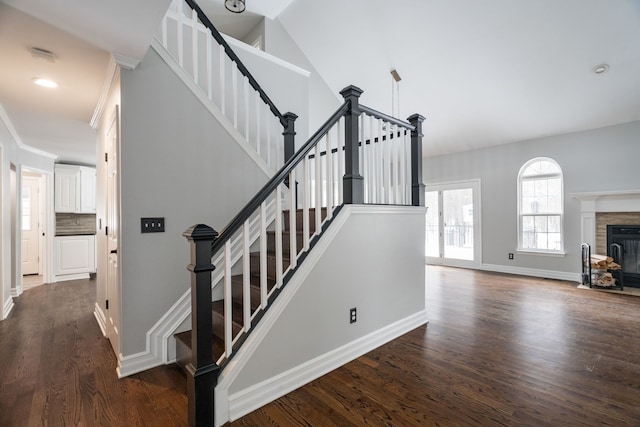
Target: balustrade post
(289,135)
(417,185)
(202,371)
(353,182)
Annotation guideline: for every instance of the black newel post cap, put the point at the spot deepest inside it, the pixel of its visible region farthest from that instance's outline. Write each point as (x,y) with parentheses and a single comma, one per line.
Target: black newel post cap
(415,118)
(289,120)
(351,91)
(200,232)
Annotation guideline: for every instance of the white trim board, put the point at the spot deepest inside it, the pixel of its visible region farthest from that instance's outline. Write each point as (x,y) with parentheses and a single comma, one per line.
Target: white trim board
(101,319)
(245,401)
(8,306)
(533,272)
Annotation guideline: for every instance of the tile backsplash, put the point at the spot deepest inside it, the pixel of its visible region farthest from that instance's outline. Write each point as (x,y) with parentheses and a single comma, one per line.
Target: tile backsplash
(69,224)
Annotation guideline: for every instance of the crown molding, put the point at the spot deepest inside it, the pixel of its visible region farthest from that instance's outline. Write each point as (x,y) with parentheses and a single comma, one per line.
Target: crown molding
(109,78)
(4,118)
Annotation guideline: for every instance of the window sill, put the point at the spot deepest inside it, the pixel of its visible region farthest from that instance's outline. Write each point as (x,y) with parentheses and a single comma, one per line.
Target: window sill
(542,253)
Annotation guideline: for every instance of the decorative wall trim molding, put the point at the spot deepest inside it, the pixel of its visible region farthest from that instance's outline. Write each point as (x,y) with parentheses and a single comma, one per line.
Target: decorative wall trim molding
(125,61)
(6,309)
(109,79)
(101,319)
(4,117)
(65,277)
(534,272)
(245,401)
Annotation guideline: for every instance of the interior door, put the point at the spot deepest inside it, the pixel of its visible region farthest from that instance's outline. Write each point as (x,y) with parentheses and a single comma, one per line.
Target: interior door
(453,224)
(112,307)
(30,212)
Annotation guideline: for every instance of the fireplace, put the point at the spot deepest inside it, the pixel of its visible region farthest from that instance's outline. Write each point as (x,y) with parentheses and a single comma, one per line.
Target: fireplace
(628,237)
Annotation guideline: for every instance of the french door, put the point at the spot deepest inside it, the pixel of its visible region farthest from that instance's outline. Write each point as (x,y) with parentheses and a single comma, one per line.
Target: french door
(453,224)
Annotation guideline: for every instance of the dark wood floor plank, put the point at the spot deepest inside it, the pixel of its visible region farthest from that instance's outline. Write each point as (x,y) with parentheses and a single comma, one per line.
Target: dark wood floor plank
(499,350)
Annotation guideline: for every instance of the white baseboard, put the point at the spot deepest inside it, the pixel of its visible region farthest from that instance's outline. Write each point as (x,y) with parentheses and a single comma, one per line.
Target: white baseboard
(137,362)
(245,401)
(6,309)
(101,319)
(534,272)
(65,277)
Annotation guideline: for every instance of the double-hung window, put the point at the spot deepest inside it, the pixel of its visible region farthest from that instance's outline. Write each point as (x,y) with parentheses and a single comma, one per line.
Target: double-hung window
(540,206)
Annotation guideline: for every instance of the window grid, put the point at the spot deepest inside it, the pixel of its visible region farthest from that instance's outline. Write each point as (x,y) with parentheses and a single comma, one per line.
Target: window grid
(540,206)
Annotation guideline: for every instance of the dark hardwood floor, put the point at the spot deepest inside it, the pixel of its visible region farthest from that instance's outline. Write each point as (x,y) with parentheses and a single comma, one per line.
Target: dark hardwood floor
(499,350)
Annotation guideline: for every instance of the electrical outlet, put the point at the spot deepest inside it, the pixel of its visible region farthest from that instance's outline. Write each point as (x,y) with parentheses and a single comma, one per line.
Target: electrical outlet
(510,255)
(152,225)
(353,315)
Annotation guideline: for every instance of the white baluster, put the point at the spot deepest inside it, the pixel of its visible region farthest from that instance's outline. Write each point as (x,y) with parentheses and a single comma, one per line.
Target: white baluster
(386,165)
(223,83)
(278,236)
(379,163)
(293,250)
(164,32)
(403,166)
(209,66)
(373,179)
(363,158)
(318,169)
(329,175)
(228,332)
(340,161)
(246,276)
(234,96)
(268,133)
(395,182)
(194,44)
(258,114)
(180,29)
(305,202)
(246,109)
(263,255)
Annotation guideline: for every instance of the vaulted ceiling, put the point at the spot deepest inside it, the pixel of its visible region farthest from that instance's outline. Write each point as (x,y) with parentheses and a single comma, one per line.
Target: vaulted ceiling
(482,73)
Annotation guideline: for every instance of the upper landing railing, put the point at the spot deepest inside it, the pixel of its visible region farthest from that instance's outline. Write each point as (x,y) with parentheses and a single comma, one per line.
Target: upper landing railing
(201,51)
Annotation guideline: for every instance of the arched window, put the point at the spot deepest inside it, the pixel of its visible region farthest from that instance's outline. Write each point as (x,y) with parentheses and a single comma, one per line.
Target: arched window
(540,206)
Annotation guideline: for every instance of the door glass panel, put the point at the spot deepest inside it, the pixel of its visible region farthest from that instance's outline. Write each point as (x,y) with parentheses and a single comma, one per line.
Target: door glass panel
(432,242)
(457,211)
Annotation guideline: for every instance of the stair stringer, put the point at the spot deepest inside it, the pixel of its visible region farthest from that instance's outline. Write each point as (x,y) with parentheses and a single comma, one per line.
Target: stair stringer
(271,342)
(210,106)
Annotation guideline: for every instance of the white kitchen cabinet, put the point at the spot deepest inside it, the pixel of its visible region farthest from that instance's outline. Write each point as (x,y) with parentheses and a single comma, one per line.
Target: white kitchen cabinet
(66,188)
(74,256)
(87,190)
(75,189)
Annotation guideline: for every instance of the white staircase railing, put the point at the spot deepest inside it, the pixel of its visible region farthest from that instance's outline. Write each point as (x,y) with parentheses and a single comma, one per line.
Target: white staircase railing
(218,72)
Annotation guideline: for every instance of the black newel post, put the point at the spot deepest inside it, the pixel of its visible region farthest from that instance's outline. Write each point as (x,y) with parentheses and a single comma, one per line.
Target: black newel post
(353,182)
(417,186)
(289,135)
(202,371)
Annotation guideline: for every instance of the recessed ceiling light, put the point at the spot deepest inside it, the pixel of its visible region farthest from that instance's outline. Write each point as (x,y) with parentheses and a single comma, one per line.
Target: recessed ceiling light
(45,82)
(600,69)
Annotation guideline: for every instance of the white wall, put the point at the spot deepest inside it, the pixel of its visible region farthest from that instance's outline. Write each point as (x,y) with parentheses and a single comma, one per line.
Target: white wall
(604,159)
(177,162)
(322,100)
(371,258)
(22,157)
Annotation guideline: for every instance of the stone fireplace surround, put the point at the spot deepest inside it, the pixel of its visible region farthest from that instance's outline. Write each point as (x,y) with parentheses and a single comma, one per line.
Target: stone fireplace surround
(598,209)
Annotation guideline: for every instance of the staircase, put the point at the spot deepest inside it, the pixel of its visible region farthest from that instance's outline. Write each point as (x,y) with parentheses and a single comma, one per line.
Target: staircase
(183,339)
(358,156)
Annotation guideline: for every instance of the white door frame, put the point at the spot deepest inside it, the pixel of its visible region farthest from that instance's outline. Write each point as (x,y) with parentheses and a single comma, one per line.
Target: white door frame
(474,184)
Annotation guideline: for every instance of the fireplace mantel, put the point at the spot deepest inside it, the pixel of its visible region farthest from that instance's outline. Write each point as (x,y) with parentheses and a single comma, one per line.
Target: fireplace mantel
(603,201)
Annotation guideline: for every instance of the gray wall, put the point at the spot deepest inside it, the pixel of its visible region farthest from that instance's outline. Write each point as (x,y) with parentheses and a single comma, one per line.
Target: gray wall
(322,100)
(605,159)
(375,264)
(179,163)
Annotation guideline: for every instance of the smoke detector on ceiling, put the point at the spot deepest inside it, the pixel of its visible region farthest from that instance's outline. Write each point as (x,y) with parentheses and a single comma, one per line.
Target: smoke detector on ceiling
(600,69)
(235,6)
(38,52)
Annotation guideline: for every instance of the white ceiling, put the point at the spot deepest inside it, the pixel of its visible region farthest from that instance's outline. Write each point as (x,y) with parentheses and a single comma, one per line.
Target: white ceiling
(482,73)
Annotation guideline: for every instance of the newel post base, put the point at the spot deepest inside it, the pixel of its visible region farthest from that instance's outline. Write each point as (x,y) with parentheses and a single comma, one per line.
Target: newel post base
(417,185)
(202,371)
(353,182)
